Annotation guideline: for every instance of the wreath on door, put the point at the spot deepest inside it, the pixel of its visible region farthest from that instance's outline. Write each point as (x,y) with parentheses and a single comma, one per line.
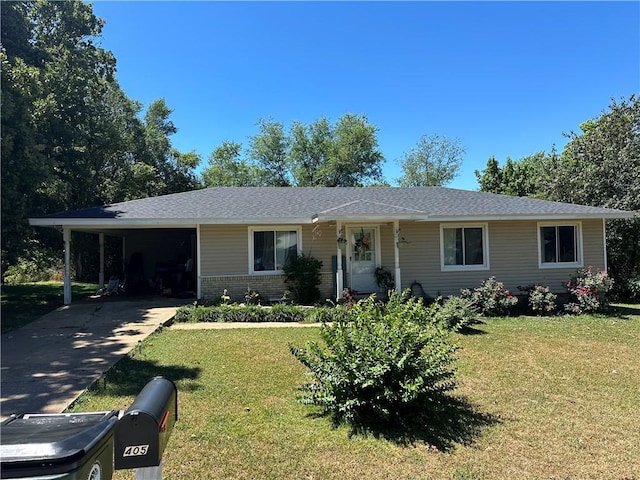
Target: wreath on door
(363,242)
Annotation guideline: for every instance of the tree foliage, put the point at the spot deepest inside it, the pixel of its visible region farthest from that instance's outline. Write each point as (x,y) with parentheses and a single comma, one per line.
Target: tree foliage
(598,166)
(71,138)
(434,161)
(317,154)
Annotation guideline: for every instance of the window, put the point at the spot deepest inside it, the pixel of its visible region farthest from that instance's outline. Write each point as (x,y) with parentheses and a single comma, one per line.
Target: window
(559,245)
(272,249)
(464,247)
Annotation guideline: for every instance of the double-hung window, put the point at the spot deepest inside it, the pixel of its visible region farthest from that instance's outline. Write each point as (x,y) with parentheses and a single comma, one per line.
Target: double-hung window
(464,247)
(560,245)
(271,249)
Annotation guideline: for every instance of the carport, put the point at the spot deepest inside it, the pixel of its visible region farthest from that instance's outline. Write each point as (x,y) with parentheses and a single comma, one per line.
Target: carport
(155,259)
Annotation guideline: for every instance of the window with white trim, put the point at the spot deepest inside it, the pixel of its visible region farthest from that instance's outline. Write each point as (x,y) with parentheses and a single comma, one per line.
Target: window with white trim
(559,245)
(271,249)
(464,247)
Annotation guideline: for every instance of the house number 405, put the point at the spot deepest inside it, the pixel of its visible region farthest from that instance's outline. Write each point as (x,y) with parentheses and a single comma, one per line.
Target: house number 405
(135,450)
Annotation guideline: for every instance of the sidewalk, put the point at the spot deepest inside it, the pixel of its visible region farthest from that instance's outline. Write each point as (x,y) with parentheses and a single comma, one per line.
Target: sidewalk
(46,364)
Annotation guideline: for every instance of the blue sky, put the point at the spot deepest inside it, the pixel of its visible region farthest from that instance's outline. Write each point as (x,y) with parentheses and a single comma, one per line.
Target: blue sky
(505,78)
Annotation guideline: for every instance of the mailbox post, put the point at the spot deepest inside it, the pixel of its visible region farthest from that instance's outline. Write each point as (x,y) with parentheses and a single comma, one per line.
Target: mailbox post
(142,433)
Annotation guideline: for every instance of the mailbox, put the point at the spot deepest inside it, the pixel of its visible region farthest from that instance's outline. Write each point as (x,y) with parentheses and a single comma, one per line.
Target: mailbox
(142,433)
(58,446)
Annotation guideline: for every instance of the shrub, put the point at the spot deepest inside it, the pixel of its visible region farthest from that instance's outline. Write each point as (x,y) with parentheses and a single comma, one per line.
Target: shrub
(37,267)
(540,300)
(303,276)
(588,290)
(380,364)
(455,313)
(252,297)
(384,279)
(325,315)
(491,298)
(240,313)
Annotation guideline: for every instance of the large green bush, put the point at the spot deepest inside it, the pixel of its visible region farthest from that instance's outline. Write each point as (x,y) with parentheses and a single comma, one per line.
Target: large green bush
(303,278)
(382,364)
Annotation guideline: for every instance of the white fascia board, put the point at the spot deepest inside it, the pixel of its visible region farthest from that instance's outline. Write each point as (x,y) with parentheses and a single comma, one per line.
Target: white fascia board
(559,216)
(161,223)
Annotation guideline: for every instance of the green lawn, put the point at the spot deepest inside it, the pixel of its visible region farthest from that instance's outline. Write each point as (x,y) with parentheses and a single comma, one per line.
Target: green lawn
(24,303)
(553,398)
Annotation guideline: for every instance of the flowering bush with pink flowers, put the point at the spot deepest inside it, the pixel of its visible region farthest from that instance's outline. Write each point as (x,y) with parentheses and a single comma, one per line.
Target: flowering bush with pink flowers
(588,291)
(491,298)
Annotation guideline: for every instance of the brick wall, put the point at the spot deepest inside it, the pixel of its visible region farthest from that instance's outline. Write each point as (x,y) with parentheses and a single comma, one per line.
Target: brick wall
(267,285)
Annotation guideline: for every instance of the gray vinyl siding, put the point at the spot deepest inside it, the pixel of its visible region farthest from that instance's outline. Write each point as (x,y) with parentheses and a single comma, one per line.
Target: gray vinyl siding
(224,250)
(513,257)
(512,249)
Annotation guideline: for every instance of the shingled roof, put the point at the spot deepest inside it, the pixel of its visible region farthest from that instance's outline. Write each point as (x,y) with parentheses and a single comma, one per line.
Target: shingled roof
(271,205)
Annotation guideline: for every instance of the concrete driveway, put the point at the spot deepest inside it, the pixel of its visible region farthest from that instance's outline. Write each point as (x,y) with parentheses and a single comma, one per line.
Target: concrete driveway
(49,362)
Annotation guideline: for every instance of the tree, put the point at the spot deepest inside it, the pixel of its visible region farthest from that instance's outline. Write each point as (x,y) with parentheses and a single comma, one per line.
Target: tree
(71,138)
(434,161)
(227,168)
(599,167)
(269,149)
(319,154)
(526,177)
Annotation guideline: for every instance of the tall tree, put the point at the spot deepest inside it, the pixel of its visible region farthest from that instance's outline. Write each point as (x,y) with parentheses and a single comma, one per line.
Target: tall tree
(269,150)
(526,177)
(318,154)
(227,168)
(600,166)
(435,160)
(70,136)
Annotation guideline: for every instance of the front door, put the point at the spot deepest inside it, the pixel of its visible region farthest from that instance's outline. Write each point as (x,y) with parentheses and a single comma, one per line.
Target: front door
(363,255)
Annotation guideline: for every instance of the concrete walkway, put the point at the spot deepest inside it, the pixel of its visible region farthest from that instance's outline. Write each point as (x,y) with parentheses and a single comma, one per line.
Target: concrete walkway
(48,363)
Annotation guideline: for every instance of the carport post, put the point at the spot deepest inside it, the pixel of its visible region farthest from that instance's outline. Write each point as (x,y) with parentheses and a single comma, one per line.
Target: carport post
(101,275)
(66,235)
(396,255)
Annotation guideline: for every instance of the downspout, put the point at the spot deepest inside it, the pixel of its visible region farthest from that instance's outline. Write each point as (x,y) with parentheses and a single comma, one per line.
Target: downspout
(604,242)
(66,236)
(198,265)
(101,274)
(396,252)
(339,274)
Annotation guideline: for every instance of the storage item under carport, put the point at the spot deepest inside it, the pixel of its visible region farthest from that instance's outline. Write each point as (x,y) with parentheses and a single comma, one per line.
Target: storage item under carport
(58,446)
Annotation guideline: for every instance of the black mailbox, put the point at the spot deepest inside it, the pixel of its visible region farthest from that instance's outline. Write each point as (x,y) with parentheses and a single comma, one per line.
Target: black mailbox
(61,446)
(142,433)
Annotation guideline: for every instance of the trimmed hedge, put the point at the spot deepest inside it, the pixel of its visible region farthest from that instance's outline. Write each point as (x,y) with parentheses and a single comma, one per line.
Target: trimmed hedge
(254,313)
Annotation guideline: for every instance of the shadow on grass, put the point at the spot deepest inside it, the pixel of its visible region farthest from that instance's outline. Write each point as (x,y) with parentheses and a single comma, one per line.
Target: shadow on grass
(471,331)
(440,425)
(625,311)
(130,375)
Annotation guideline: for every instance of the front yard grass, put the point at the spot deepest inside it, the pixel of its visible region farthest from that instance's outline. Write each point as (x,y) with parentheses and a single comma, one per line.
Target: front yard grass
(558,398)
(26,302)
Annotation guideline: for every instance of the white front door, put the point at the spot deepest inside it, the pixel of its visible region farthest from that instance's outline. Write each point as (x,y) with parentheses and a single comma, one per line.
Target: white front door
(363,258)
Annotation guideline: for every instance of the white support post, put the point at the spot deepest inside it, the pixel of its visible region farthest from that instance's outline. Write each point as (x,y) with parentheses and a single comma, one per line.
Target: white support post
(101,274)
(198,264)
(396,251)
(66,235)
(339,273)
